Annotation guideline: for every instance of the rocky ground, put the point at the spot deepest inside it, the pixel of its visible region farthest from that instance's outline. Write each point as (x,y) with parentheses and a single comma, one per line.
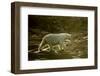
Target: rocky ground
(76,49)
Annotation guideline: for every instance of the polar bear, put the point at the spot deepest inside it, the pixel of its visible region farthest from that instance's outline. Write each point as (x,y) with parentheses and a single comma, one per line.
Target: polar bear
(52,40)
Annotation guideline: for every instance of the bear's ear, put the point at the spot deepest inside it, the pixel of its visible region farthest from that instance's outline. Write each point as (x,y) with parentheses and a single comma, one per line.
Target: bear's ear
(70,35)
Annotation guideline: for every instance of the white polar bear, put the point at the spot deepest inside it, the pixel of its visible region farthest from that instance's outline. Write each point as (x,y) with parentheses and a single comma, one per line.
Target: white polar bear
(52,40)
